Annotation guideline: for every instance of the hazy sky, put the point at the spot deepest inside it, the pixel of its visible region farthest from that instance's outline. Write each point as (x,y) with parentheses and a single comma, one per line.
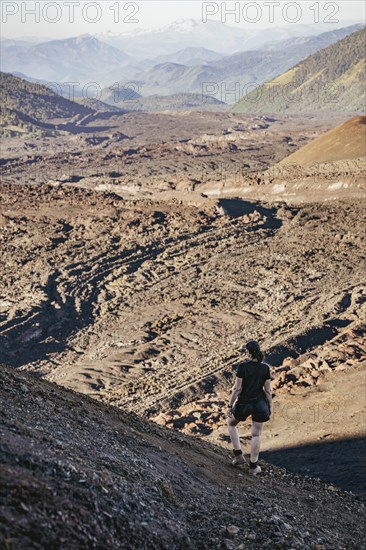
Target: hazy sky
(59,19)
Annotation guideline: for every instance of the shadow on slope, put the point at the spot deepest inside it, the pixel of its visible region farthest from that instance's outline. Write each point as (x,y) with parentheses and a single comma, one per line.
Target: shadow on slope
(340,462)
(308,340)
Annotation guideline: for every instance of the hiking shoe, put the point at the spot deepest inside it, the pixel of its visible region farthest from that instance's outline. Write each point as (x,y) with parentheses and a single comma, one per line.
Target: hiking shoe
(255,471)
(238,460)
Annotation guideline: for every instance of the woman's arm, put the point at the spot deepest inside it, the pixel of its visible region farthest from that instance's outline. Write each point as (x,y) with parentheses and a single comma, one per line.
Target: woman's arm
(268,392)
(236,391)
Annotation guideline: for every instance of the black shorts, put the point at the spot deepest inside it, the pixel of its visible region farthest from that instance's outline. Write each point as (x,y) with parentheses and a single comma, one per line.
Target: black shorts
(259,411)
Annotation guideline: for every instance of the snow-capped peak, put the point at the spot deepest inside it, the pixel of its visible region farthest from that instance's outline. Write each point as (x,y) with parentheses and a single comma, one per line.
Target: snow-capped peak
(180,25)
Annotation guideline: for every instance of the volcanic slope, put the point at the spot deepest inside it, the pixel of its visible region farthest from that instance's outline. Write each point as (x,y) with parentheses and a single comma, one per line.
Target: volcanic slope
(333,165)
(344,142)
(79,474)
(329,80)
(144,304)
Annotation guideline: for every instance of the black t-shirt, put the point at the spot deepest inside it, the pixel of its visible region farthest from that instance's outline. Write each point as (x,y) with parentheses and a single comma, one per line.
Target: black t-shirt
(254,375)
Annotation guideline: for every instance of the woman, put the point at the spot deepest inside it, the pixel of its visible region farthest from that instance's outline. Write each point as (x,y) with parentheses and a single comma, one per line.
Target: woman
(251,396)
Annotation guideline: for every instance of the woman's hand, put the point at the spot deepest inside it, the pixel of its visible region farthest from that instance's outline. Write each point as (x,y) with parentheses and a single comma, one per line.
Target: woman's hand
(234,395)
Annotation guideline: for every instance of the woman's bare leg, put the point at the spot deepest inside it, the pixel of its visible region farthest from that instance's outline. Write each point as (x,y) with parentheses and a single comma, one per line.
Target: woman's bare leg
(257,428)
(233,433)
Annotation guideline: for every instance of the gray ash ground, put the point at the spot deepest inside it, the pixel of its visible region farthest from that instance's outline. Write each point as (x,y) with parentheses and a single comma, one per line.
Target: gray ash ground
(79,474)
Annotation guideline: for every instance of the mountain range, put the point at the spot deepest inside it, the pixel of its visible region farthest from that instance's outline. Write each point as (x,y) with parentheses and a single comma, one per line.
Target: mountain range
(225,74)
(335,58)
(147,58)
(213,35)
(81,59)
(330,79)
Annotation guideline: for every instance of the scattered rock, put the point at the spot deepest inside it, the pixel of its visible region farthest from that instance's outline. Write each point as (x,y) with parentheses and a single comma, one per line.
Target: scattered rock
(233,530)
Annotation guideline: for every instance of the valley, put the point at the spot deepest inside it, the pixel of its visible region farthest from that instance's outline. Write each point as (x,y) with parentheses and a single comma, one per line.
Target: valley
(143,241)
(141,295)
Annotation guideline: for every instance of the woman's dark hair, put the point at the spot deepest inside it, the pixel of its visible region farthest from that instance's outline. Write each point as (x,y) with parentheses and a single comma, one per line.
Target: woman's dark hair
(254,350)
(258,355)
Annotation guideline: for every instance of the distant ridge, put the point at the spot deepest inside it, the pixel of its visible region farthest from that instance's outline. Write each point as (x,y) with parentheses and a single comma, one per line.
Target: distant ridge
(26,107)
(81,59)
(190,56)
(330,80)
(233,72)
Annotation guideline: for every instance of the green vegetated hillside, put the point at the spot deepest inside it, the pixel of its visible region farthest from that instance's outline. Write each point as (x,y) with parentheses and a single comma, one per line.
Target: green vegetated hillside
(25,107)
(329,80)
